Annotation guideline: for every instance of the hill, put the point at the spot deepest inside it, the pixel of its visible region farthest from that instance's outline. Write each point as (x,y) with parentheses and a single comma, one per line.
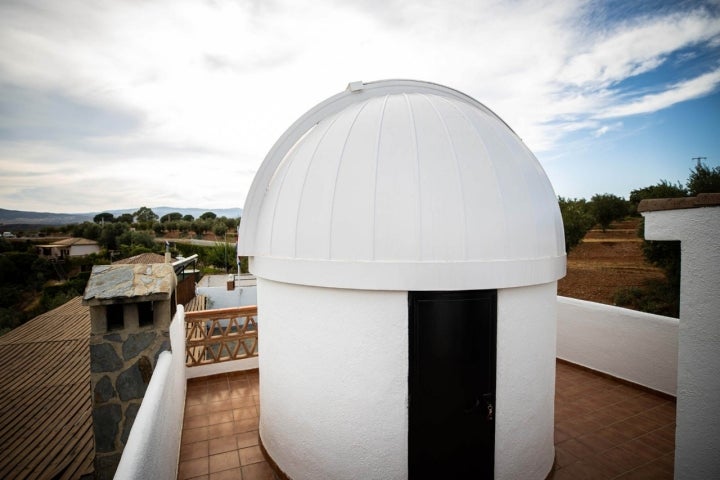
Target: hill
(607,261)
(19,217)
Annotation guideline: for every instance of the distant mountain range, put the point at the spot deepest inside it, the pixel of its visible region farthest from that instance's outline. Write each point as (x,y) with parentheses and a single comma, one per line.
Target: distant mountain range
(18,217)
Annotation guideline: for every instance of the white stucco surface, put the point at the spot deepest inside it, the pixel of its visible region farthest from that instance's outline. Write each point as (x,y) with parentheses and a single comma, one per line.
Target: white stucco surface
(525,393)
(635,346)
(334,381)
(697,435)
(221,297)
(402,185)
(153,447)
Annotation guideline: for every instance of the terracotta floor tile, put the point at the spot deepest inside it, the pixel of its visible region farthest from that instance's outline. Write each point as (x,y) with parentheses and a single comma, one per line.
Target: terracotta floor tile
(667,462)
(192,468)
(577,449)
(563,458)
(239,402)
(220,417)
(257,471)
(561,436)
(194,410)
(247,439)
(222,445)
(220,405)
(241,390)
(650,471)
(190,451)
(224,461)
(216,395)
(221,430)
(232,474)
(196,399)
(251,455)
(582,470)
(621,459)
(658,441)
(244,412)
(193,435)
(596,443)
(196,421)
(246,424)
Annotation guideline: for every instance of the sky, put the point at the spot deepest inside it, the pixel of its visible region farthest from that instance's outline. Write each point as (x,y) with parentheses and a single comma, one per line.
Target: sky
(121,104)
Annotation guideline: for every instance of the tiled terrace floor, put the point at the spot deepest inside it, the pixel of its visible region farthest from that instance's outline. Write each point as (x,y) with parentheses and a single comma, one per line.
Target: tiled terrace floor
(220,432)
(604,429)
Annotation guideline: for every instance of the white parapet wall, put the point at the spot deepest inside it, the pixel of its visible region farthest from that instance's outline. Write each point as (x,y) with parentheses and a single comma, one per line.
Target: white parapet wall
(153,447)
(635,346)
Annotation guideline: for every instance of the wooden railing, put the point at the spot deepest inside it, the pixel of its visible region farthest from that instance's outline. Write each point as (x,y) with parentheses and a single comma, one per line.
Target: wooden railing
(220,335)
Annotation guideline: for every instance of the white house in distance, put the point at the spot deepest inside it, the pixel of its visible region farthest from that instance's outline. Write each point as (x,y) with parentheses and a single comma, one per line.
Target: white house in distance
(69,247)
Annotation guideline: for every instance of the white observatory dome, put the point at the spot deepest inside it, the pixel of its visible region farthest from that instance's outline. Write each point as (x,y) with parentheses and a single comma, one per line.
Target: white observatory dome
(402,185)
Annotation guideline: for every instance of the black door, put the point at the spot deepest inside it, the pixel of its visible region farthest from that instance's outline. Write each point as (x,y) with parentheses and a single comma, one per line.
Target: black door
(452,384)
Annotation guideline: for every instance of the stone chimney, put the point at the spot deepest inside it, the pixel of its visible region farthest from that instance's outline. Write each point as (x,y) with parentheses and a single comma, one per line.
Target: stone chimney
(131,307)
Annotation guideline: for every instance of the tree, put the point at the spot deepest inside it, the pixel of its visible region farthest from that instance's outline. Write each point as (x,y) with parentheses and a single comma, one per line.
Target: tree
(110,233)
(663,189)
(145,215)
(104,217)
(664,254)
(577,220)
(208,216)
(607,208)
(126,218)
(219,228)
(704,179)
(171,217)
(188,218)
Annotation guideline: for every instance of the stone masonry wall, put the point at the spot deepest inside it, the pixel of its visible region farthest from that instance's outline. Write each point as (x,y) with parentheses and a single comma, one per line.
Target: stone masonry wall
(124,353)
(121,366)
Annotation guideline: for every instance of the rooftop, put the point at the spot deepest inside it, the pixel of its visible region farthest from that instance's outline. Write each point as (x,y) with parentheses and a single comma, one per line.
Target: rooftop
(604,428)
(45,403)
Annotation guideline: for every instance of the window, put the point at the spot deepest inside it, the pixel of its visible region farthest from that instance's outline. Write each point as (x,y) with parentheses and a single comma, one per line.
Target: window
(115,317)
(145,314)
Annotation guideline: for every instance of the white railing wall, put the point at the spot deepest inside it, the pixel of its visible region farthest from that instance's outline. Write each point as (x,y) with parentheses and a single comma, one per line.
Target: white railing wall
(635,346)
(153,447)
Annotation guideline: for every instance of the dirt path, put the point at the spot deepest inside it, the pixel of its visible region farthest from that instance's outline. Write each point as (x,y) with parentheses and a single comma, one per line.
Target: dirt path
(606,261)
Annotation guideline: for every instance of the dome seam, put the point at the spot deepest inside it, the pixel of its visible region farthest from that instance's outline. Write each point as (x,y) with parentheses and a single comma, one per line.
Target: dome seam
(337,174)
(375,177)
(305,176)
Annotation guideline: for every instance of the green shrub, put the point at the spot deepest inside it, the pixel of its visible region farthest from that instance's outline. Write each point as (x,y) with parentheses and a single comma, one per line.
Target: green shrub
(654,296)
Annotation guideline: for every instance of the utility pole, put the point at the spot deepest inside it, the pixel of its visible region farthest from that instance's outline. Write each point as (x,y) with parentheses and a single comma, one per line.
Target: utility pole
(699,159)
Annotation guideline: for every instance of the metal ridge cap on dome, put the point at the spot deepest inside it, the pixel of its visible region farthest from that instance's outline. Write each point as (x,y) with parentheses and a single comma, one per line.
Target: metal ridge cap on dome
(355,92)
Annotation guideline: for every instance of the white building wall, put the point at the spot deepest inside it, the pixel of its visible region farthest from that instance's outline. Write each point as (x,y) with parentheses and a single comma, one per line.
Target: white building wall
(697,435)
(153,447)
(635,346)
(334,381)
(81,250)
(525,391)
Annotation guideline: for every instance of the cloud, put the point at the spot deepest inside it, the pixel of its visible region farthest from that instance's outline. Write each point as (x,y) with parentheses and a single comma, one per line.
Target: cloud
(676,93)
(607,128)
(123,88)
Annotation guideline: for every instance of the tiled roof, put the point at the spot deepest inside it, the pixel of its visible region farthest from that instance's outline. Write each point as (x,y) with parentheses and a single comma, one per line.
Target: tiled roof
(143,258)
(658,204)
(67,242)
(45,403)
